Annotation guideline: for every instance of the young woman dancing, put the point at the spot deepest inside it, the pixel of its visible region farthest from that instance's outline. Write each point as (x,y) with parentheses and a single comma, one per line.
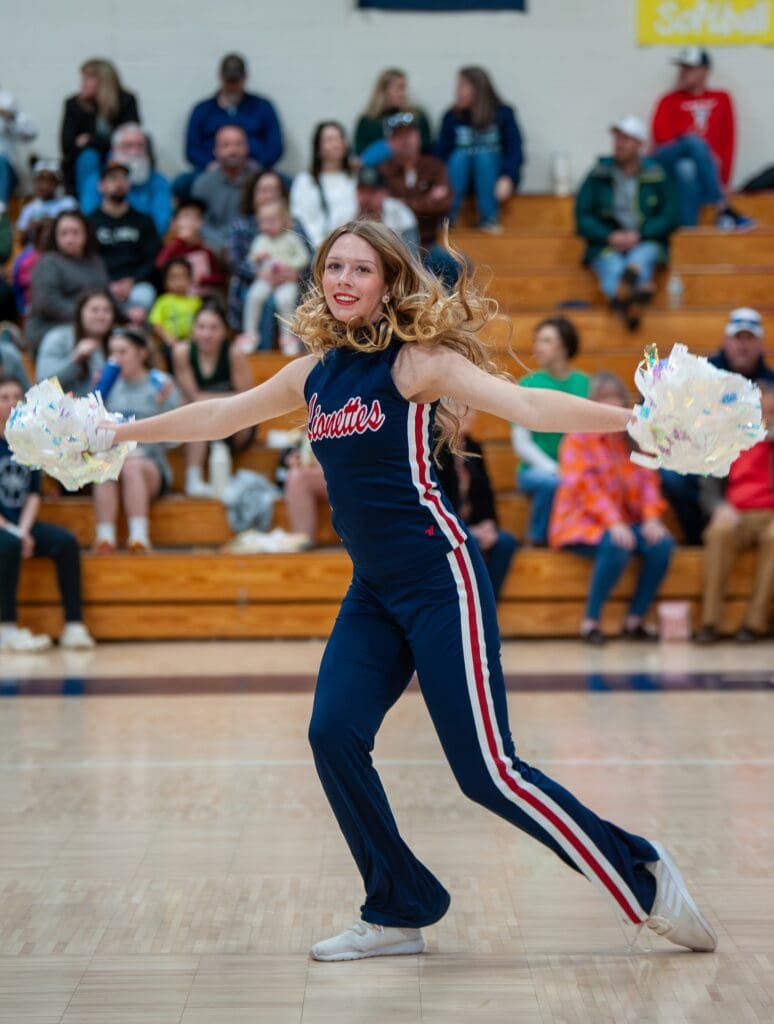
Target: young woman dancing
(392,358)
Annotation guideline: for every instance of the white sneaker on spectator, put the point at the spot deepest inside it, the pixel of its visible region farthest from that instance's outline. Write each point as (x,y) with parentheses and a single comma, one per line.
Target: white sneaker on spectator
(76,637)
(674,913)
(198,489)
(23,641)
(364,939)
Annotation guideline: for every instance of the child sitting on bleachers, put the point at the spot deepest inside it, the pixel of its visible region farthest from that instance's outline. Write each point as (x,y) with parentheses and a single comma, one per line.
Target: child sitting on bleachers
(185,241)
(172,314)
(274,250)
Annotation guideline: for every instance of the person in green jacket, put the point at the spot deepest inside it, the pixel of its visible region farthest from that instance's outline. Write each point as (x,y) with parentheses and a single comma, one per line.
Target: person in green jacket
(389,97)
(626,210)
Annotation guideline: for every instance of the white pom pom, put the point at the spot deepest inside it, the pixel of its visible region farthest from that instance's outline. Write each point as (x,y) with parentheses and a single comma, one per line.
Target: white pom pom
(51,431)
(694,418)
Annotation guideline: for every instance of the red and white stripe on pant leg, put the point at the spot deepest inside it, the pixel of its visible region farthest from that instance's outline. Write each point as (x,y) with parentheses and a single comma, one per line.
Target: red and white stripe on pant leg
(419,460)
(528,797)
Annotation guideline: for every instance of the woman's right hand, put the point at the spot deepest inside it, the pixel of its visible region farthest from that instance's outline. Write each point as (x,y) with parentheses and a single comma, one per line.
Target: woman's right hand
(623,536)
(85,348)
(103,436)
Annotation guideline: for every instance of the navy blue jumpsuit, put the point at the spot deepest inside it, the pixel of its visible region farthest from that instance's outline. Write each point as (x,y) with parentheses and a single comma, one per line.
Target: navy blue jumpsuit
(420,599)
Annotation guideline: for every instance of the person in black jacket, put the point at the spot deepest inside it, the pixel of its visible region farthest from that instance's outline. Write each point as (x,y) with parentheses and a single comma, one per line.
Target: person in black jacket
(88,120)
(127,240)
(466,484)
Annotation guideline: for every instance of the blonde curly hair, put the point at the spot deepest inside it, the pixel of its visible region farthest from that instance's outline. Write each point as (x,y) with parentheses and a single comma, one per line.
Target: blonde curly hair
(419,311)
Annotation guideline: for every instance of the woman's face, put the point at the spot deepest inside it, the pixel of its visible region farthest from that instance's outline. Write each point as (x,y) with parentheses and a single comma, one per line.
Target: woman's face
(548,346)
(396,92)
(209,331)
(353,280)
(71,237)
(333,145)
(268,189)
(130,357)
(97,316)
(89,85)
(465,94)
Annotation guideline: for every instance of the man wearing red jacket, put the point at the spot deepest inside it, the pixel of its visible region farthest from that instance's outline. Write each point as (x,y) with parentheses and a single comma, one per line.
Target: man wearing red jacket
(693,132)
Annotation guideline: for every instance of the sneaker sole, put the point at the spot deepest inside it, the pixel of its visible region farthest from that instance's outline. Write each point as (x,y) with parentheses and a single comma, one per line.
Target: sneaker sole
(675,871)
(398,949)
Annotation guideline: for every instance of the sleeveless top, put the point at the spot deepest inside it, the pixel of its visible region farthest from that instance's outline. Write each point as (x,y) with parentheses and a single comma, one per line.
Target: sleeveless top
(220,378)
(375,450)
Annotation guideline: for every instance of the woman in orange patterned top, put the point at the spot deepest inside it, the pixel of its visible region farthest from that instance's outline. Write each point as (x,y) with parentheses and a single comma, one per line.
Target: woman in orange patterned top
(609,509)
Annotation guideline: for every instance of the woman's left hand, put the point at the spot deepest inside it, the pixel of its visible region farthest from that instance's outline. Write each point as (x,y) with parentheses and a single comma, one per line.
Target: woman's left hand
(654,531)
(485,533)
(503,188)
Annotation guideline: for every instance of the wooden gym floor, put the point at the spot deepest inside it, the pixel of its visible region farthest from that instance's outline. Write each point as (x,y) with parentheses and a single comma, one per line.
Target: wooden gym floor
(169,858)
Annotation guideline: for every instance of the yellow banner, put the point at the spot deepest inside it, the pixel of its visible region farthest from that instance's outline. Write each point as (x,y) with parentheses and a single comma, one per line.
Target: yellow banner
(708,22)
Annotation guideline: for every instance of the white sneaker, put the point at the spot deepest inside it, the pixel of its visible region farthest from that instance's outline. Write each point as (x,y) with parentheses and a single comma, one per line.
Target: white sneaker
(198,489)
(22,641)
(76,637)
(674,914)
(364,939)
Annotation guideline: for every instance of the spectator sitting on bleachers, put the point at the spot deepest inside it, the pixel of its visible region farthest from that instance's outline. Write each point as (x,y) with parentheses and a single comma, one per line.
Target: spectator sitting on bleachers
(11,362)
(172,314)
(88,120)
(186,242)
(210,364)
(389,96)
(47,202)
(626,210)
(304,490)
(421,182)
(261,188)
(466,484)
(279,256)
(325,196)
(375,203)
(556,345)
(481,143)
(127,240)
(15,127)
(8,309)
(22,537)
(741,352)
(75,353)
(146,474)
(70,266)
(741,509)
(231,105)
(150,192)
(607,509)
(221,186)
(694,135)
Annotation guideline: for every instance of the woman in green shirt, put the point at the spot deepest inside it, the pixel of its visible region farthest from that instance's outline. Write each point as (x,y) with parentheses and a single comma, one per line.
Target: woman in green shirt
(556,345)
(390,96)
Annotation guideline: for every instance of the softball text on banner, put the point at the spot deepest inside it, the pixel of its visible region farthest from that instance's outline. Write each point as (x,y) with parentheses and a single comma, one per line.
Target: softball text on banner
(445,5)
(711,22)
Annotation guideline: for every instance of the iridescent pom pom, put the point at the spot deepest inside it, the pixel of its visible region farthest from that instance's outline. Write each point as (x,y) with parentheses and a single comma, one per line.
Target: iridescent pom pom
(694,418)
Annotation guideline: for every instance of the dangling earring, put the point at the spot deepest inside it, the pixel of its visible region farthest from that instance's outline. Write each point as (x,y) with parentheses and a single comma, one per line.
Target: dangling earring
(385,299)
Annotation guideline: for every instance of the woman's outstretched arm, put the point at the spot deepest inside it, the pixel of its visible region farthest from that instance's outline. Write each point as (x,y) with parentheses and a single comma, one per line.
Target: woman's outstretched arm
(217,418)
(425,374)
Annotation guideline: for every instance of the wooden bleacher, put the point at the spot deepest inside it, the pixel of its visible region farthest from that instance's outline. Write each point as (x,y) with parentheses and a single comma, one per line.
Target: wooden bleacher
(186,588)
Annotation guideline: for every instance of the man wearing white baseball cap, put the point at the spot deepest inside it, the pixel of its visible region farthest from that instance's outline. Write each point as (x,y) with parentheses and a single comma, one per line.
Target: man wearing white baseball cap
(625,210)
(742,349)
(693,132)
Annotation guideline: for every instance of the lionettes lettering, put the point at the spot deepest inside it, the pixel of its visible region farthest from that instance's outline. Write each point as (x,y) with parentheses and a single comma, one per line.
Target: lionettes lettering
(353,418)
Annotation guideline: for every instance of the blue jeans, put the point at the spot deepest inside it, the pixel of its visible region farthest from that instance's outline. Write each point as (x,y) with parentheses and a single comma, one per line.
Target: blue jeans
(479,170)
(87,163)
(691,165)
(441,263)
(610,265)
(8,179)
(498,560)
(541,487)
(610,560)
